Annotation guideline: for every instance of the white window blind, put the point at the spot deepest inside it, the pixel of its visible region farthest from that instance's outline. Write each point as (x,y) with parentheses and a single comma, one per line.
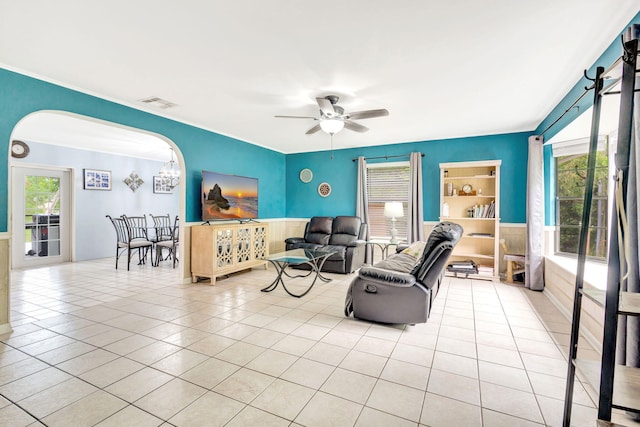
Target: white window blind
(387,182)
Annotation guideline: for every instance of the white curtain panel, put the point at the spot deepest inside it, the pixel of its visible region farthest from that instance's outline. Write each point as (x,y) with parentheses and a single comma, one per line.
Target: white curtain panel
(362,202)
(534,259)
(415,209)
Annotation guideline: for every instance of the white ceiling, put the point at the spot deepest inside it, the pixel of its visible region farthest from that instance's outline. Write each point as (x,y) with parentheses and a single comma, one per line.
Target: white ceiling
(442,69)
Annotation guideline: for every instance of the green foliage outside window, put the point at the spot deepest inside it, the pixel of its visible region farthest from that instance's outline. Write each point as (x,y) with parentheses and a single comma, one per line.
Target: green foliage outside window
(570,185)
(41,197)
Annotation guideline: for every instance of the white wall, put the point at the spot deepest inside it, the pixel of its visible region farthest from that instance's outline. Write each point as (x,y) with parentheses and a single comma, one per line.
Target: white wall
(94,236)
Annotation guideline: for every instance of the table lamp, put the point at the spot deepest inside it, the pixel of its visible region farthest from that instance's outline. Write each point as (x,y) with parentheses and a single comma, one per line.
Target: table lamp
(393,210)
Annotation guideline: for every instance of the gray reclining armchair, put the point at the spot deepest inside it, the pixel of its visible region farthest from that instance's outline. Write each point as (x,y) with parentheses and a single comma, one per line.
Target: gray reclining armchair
(399,290)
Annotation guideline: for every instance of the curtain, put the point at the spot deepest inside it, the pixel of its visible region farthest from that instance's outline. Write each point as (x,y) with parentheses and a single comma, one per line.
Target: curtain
(534,260)
(628,342)
(415,217)
(362,203)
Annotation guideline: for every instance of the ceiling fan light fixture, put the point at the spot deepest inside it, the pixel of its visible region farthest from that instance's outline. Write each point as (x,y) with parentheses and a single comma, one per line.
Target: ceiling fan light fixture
(333,119)
(331,125)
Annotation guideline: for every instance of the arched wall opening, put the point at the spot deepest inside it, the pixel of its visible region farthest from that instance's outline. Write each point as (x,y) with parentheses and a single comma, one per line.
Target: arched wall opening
(63,140)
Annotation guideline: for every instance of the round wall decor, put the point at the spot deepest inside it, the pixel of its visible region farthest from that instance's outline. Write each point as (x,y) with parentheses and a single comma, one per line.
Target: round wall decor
(306,175)
(324,189)
(19,149)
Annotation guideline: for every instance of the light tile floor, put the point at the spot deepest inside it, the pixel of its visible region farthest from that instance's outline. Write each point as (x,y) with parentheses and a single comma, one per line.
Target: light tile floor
(96,346)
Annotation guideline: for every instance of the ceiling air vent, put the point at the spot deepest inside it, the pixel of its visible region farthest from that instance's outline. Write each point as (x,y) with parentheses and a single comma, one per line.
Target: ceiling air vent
(154,101)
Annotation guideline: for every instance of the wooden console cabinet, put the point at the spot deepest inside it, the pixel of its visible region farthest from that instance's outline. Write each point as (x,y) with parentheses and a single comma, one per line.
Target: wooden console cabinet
(221,249)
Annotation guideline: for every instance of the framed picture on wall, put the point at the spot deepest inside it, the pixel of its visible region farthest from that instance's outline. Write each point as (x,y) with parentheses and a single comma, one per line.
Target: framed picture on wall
(95,179)
(161,185)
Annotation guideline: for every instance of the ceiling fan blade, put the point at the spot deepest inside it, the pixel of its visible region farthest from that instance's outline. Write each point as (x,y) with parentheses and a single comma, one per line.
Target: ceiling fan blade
(326,107)
(368,114)
(296,117)
(348,124)
(314,129)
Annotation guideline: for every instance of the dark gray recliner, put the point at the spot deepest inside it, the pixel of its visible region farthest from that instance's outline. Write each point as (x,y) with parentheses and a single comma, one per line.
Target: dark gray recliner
(343,234)
(397,290)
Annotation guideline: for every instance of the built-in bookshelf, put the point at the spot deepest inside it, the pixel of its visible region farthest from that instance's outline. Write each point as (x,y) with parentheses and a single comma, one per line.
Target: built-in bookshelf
(470,196)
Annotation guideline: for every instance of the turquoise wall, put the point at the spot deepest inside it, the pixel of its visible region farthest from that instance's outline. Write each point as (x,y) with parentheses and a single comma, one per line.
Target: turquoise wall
(340,172)
(549,186)
(201,149)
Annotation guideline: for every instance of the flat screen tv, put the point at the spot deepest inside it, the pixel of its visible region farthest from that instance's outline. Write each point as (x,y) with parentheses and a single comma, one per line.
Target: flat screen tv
(228,196)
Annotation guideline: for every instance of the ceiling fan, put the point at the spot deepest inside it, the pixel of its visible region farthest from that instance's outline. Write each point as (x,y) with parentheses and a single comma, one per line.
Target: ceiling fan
(333,118)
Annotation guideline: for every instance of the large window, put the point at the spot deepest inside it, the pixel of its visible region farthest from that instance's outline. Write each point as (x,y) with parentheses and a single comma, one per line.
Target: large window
(571,174)
(387,182)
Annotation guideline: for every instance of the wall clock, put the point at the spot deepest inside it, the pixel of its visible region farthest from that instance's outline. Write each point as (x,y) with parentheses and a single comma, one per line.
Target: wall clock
(306,175)
(324,189)
(19,149)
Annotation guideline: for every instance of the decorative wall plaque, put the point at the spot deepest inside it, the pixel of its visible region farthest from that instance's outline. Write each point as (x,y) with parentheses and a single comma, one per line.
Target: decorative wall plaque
(324,189)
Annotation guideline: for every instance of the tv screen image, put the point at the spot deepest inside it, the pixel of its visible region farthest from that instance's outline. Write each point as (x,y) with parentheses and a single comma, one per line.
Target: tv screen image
(227,196)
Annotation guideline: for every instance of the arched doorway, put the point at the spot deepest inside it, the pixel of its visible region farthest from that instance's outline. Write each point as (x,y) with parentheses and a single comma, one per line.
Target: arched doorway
(58,140)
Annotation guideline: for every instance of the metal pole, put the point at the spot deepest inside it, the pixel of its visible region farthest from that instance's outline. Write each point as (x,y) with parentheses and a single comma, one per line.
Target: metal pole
(582,245)
(607,370)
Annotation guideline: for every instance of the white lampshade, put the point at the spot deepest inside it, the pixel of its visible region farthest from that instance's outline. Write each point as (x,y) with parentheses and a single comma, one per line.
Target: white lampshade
(393,210)
(331,125)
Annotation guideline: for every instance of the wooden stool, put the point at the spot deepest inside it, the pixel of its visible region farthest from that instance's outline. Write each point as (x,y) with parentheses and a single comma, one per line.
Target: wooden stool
(515,262)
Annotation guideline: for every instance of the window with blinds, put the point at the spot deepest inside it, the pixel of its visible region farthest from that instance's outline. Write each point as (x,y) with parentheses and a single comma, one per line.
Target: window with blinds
(387,182)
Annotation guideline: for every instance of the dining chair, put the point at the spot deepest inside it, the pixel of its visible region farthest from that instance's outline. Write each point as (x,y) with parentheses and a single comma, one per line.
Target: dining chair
(128,240)
(139,237)
(171,244)
(163,227)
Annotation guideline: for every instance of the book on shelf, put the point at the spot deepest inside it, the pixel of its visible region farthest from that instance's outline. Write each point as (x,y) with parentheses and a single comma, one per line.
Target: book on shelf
(491,210)
(464,265)
(483,211)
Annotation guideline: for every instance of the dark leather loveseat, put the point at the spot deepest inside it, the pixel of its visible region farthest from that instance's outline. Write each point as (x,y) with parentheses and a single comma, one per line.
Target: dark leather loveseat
(343,234)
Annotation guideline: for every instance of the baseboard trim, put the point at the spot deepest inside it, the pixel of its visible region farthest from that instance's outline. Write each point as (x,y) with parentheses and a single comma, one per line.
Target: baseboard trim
(5,328)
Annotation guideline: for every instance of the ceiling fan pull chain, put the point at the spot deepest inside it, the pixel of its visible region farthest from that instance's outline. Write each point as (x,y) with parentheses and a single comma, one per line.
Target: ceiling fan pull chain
(331,135)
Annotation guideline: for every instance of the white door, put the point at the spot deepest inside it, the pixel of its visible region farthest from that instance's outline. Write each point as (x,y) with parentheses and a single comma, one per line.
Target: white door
(40,216)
